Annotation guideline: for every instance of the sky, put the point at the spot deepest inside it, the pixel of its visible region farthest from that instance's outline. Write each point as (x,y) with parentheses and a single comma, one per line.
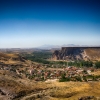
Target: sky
(33,23)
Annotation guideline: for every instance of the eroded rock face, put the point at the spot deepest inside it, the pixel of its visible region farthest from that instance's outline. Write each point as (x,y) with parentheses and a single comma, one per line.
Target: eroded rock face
(77,53)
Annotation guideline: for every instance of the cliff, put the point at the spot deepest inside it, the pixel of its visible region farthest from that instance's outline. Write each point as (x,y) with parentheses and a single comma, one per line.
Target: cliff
(77,53)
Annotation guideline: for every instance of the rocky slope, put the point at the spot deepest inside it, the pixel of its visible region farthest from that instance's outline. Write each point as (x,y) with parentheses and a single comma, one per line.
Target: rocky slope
(15,88)
(77,53)
(11,58)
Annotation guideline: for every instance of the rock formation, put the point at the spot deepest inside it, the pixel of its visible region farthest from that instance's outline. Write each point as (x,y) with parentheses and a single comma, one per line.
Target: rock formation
(77,53)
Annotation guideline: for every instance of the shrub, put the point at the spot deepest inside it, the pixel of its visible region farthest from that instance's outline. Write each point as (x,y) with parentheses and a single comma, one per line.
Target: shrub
(64,79)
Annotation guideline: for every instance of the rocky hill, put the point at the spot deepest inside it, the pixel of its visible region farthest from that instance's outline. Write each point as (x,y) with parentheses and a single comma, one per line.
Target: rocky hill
(11,58)
(77,53)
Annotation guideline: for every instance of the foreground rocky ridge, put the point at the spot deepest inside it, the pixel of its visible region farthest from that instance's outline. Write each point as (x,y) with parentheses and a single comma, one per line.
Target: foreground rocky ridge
(77,53)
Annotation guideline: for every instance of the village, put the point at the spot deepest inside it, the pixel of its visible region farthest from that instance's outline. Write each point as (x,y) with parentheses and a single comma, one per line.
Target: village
(39,72)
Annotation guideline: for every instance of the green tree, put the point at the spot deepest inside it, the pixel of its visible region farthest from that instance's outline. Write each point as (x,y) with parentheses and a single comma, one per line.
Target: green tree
(63,78)
(97,64)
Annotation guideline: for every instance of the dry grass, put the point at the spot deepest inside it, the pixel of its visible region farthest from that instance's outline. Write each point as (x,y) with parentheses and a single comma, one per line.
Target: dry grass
(75,90)
(96,72)
(11,58)
(55,90)
(11,84)
(8,55)
(93,53)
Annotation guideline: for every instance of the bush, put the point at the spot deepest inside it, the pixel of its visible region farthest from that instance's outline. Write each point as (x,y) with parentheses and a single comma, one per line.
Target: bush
(84,78)
(78,78)
(97,64)
(64,79)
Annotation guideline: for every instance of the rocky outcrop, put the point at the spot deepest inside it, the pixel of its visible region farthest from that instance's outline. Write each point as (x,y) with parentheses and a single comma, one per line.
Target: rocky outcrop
(77,53)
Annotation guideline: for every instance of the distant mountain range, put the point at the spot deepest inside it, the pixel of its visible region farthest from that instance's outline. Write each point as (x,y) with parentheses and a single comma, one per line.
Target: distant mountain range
(46,46)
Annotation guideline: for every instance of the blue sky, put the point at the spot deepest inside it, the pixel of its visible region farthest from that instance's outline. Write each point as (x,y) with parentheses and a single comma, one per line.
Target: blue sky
(32,23)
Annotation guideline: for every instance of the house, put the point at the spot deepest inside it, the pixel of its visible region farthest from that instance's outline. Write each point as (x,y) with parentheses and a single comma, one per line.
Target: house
(89,72)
